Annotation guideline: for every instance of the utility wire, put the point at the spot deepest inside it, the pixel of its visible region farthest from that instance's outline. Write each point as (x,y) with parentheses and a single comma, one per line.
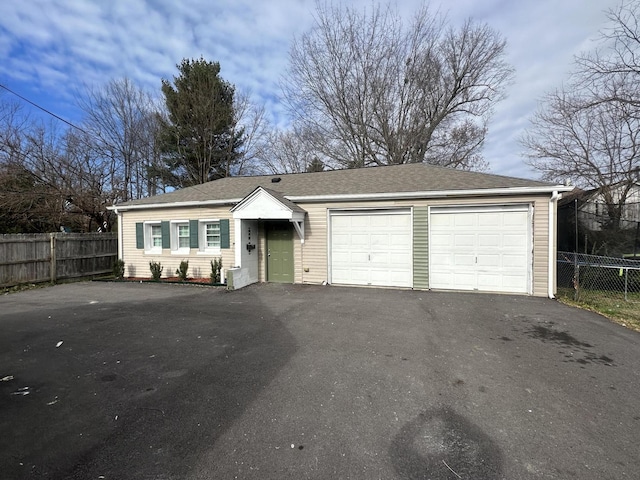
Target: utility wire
(44,110)
(98,136)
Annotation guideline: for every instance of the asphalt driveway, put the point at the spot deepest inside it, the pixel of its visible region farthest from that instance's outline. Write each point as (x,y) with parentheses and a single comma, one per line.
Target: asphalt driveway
(119,381)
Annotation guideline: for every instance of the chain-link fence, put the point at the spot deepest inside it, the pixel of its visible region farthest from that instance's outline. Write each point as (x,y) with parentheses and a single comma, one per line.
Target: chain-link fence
(582,277)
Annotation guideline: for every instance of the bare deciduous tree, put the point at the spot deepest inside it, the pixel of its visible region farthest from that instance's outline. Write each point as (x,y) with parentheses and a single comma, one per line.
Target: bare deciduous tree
(288,152)
(51,177)
(612,71)
(250,119)
(375,91)
(589,132)
(122,122)
(596,145)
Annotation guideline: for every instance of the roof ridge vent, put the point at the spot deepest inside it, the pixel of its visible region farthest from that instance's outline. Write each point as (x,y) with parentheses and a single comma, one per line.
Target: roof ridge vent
(275,179)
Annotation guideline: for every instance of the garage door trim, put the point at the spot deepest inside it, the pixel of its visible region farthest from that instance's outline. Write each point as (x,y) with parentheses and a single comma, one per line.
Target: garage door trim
(372,211)
(490,208)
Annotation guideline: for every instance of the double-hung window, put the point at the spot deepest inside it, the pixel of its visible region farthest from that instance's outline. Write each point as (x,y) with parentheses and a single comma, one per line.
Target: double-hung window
(153,237)
(180,239)
(209,236)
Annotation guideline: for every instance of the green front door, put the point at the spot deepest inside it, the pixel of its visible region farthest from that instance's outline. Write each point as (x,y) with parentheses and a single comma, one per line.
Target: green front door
(280,252)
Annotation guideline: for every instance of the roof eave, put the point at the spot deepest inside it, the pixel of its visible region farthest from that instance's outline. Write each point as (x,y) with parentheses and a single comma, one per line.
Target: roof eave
(192,203)
(482,192)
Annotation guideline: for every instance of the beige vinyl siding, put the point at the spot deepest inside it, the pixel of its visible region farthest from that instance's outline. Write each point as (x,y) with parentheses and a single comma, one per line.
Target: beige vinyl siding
(137,261)
(421,247)
(315,251)
(541,248)
(311,259)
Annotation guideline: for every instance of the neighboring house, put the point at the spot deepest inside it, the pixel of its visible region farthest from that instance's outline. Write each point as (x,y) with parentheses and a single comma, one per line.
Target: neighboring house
(592,208)
(409,226)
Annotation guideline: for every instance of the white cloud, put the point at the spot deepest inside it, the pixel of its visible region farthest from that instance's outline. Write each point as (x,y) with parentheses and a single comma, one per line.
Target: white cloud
(51,48)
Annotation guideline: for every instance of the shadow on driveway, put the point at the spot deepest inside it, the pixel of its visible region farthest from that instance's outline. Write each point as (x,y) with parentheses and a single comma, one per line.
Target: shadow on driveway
(139,388)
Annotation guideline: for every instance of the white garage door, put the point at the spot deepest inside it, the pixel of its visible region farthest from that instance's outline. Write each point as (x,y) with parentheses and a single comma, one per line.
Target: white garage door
(480,248)
(371,248)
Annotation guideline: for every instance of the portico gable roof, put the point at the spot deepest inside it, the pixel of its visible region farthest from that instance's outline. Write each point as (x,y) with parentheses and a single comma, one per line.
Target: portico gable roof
(266,204)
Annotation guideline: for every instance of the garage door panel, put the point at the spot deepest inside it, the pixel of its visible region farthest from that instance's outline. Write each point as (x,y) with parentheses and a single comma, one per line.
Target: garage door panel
(488,261)
(359,221)
(489,279)
(514,280)
(400,221)
(515,219)
(443,279)
(400,241)
(464,240)
(440,239)
(515,240)
(489,240)
(358,258)
(340,240)
(379,246)
(441,261)
(464,280)
(464,220)
(514,261)
(489,220)
(341,257)
(463,260)
(379,240)
(379,221)
(399,258)
(481,248)
(359,240)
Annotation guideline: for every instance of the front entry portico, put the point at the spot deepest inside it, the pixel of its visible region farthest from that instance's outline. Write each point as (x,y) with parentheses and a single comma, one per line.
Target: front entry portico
(267,210)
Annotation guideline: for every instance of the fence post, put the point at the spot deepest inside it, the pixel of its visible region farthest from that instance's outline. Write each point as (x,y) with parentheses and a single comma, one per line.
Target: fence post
(53,257)
(626,283)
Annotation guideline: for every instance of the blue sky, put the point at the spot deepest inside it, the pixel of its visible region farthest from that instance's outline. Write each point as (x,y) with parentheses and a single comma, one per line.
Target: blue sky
(51,49)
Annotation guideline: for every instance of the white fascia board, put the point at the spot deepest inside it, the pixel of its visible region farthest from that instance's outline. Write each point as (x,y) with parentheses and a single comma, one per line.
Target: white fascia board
(484,192)
(195,203)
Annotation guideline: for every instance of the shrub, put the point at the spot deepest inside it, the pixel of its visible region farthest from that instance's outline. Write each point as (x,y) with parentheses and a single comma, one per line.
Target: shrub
(156,270)
(182,270)
(216,267)
(118,269)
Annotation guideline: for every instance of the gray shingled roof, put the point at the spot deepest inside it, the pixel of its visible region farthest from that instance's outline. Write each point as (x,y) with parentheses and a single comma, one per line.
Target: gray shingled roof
(361,181)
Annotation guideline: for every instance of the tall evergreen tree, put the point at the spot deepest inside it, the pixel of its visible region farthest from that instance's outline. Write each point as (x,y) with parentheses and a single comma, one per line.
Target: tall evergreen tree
(199,136)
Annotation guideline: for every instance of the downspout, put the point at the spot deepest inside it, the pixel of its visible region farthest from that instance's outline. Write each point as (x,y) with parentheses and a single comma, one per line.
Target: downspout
(553,201)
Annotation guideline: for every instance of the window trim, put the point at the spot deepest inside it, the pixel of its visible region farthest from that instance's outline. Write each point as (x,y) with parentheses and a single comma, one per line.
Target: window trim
(175,239)
(149,248)
(203,249)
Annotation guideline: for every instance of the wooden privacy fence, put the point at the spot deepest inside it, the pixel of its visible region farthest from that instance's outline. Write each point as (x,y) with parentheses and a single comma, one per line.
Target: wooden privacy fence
(49,257)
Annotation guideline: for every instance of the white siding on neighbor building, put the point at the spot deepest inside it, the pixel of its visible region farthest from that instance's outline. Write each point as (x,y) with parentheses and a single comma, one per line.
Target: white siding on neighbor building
(594,211)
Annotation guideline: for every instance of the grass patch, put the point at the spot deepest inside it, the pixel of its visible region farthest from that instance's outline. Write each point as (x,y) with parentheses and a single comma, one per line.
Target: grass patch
(609,304)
